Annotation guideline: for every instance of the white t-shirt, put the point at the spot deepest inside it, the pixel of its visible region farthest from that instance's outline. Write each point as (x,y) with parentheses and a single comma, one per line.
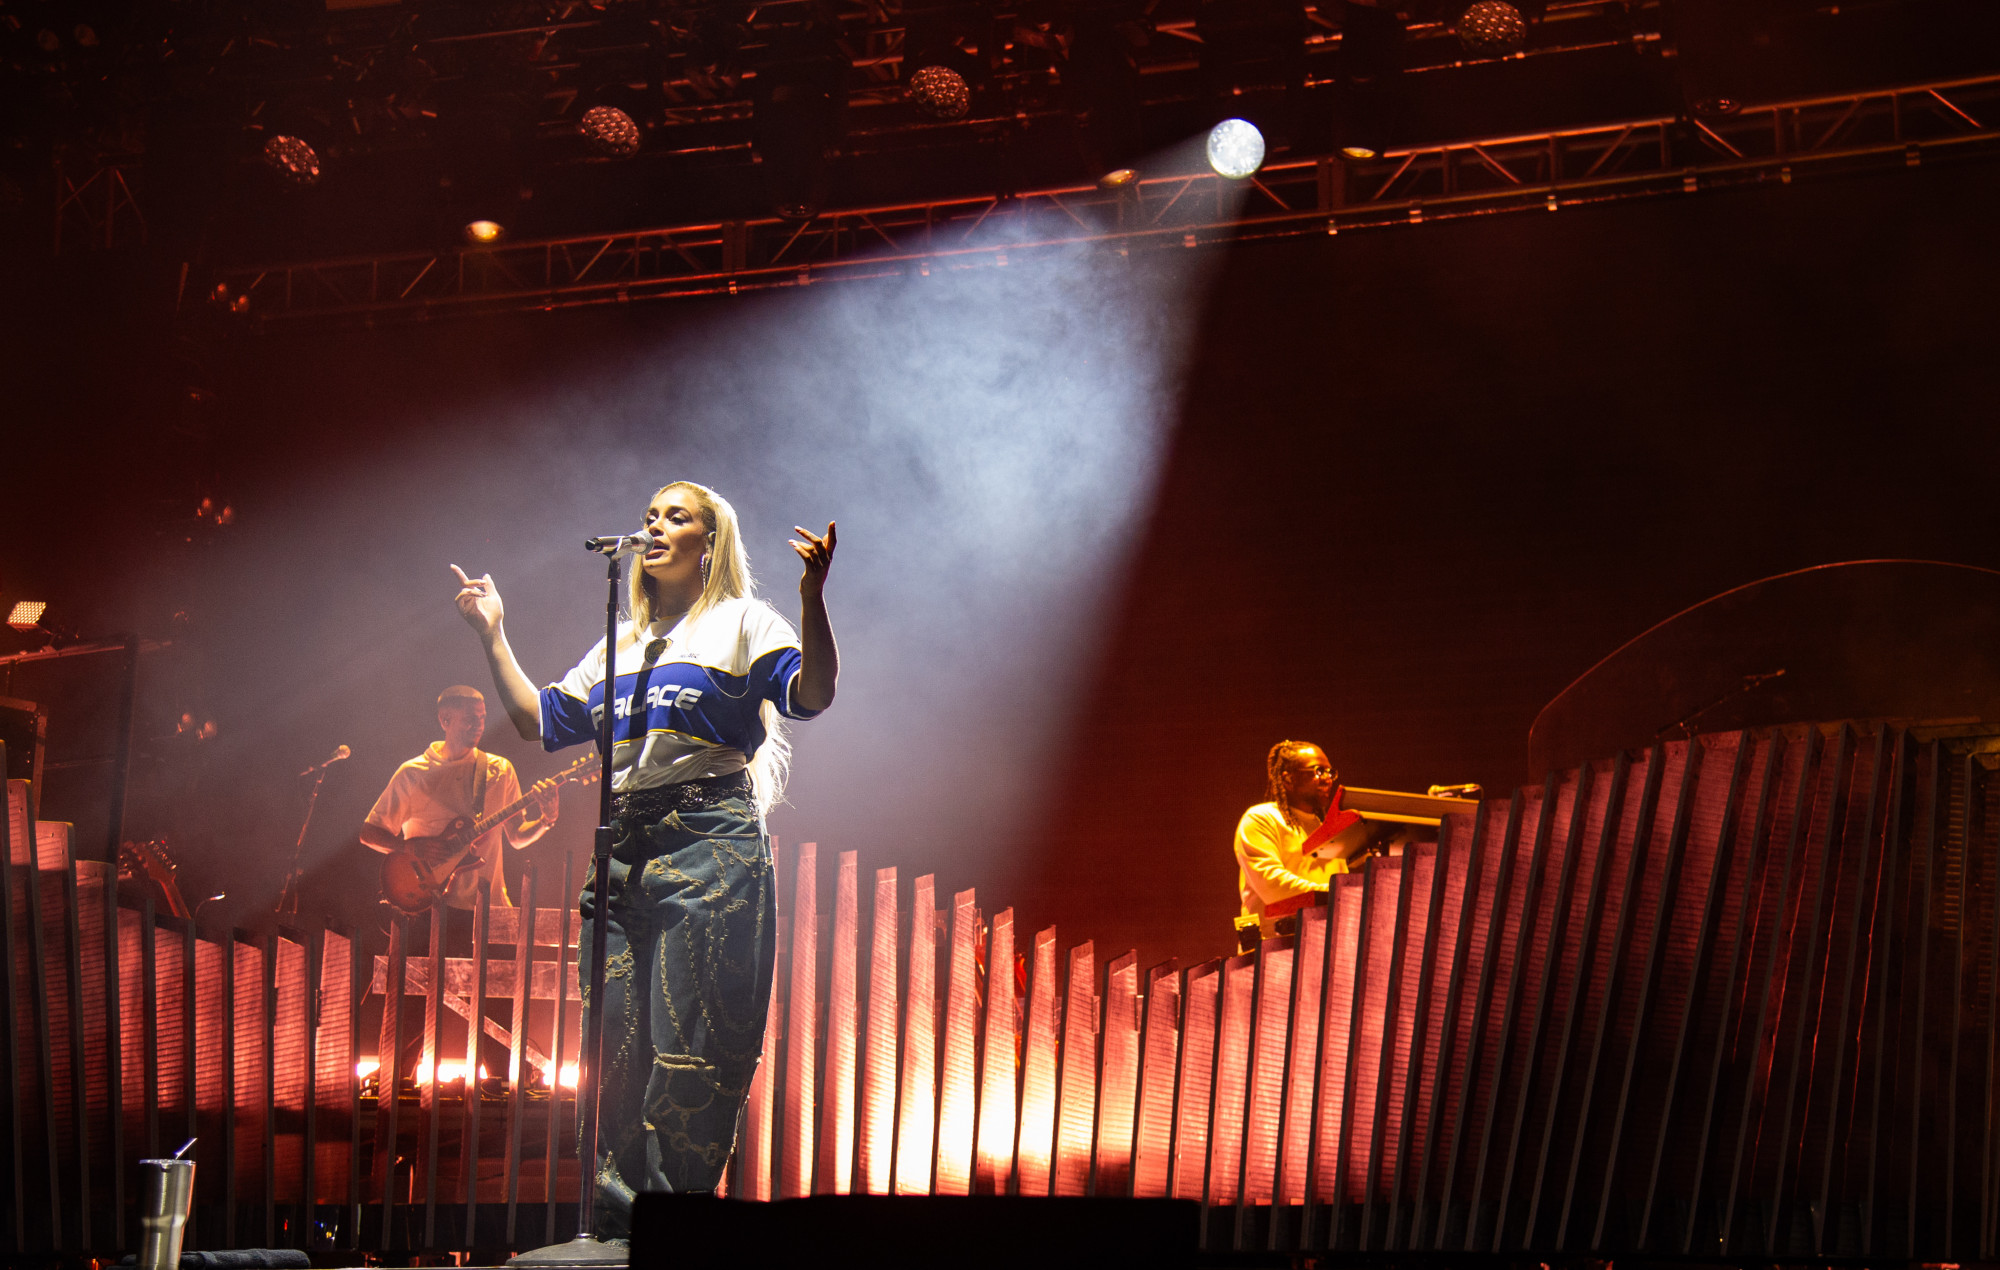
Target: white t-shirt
(697,687)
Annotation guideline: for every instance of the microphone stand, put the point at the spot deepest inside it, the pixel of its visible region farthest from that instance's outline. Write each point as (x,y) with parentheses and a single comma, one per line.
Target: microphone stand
(586,1249)
(288,899)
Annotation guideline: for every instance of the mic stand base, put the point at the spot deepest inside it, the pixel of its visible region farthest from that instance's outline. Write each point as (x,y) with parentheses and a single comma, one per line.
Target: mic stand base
(584,1250)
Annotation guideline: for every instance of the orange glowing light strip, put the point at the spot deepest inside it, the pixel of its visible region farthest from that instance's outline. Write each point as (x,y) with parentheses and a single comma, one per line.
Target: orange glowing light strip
(914,1133)
(1120,1083)
(795,1169)
(1156,1084)
(836,1162)
(878,1087)
(1038,1070)
(1079,1074)
(996,1092)
(955,1101)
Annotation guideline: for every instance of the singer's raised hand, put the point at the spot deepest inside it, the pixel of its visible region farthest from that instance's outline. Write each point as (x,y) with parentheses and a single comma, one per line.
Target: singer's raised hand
(817,552)
(478,602)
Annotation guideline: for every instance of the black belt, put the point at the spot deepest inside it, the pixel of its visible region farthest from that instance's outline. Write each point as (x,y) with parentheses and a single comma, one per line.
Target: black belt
(656,801)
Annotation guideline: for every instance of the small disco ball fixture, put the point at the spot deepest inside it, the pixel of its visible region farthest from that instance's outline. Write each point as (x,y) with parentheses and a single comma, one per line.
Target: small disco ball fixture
(940,92)
(483,231)
(609,131)
(1235,148)
(293,159)
(1492,28)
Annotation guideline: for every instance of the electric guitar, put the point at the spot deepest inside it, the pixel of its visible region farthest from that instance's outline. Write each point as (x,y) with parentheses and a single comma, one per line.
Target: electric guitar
(411,884)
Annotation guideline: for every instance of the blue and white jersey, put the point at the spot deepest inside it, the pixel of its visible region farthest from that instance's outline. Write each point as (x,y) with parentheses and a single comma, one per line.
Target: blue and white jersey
(686,703)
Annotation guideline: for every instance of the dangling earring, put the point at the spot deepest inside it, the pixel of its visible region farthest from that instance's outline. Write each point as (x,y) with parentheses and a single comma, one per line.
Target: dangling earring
(704,569)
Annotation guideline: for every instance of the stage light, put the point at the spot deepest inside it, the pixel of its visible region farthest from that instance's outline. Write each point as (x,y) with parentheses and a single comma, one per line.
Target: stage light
(1235,149)
(609,131)
(1360,152)
(1118,178)
(1492,28)
(940,92)
(483,231)
(798,117)
(27,614)
(293,159)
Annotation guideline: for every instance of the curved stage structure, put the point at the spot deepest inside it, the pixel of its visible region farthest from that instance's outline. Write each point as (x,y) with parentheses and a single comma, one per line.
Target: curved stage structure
(1730,996)
(1898,640)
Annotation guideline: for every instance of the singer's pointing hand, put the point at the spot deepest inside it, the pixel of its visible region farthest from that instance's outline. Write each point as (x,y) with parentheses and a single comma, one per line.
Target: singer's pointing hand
(478,602)
(817,552)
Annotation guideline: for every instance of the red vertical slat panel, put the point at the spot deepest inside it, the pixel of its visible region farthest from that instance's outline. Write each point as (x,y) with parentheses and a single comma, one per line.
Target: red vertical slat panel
(916,1130)
(1119,1084)
(801,1029)
(957,1094)
(252,1077)
(760,1120)
(1077,1107)
(878,1089)
(999,1060)
(1580,1102)
(1547,867)
(1380,932)
(1419,874)
(334,1078)
(1159,1052)
(1267,1081)
(757,1152)
(1197,1068)
(91,879)
(52,855)
(1308,964)
(211,1080)
(1344,898)
(1232,1068)
(135,1038)
(288,1071)
(836,1134)
(170,1039)
(1546,1128)
(1038,1070)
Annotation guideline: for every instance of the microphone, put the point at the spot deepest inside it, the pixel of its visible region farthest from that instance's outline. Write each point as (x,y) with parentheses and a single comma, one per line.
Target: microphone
(339,754)
(620,544)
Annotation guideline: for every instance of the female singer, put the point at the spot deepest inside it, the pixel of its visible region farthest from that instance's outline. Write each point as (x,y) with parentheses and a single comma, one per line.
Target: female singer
(706,676)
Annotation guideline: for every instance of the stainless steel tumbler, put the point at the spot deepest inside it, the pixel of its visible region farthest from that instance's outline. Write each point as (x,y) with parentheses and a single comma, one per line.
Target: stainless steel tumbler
(166,1188)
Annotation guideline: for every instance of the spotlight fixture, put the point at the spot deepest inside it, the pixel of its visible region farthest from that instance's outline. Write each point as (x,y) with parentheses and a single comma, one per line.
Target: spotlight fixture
(26,615)
(293,159)
(939,92)
(609,131)
(1235,149)
(1492,28)
(483,231)
(1360,152)
(1118,179)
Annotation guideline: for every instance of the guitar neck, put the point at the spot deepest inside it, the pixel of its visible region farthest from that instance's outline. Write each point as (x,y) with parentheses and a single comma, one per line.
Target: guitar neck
(486,824)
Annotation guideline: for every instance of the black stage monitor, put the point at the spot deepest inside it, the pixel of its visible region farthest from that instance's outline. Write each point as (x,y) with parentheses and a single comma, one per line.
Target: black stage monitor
(984,1232)
(24,726)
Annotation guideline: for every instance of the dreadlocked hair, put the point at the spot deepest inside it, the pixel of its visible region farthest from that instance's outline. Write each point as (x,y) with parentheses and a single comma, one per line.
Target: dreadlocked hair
(1274,776)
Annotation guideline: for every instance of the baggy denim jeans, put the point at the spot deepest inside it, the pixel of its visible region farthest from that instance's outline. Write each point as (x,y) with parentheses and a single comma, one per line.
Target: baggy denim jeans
(687,985)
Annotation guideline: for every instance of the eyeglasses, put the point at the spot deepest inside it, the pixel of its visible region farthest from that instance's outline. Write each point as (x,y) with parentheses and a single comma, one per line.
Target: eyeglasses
(1317,770)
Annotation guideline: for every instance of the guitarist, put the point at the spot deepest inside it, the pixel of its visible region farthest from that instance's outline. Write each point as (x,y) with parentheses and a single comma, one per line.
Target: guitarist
(453,779)
(1287,848)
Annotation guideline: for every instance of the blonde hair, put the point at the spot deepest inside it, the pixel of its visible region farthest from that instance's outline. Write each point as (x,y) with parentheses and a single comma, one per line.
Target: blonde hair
(728,578)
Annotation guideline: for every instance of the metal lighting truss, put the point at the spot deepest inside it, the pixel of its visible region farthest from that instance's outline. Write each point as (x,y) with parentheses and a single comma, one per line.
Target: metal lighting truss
(1855,133)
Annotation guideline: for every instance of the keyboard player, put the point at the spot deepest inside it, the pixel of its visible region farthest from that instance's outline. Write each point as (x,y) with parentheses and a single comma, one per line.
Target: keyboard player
(1287,848)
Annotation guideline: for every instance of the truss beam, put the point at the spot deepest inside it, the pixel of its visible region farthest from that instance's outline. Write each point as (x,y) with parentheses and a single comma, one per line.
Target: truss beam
(1866,132)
